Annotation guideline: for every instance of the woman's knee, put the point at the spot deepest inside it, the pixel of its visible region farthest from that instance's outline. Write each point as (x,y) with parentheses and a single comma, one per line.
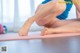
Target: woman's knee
(58,9)
(39,7)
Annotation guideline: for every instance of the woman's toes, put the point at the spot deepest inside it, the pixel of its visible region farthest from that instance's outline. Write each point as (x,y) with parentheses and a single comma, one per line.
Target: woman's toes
(44,31)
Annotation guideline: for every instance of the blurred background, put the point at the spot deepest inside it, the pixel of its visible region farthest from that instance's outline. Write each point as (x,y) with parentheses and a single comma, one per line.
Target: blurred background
(13,13)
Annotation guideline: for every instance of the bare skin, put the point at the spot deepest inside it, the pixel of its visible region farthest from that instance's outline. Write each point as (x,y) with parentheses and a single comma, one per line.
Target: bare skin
(73,27)
(77,4)
(78,14)
(48,14)
(42,12)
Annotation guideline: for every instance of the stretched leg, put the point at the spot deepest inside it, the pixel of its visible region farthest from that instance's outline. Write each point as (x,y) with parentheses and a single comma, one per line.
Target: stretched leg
(44,11)
(68,28)
(61,23)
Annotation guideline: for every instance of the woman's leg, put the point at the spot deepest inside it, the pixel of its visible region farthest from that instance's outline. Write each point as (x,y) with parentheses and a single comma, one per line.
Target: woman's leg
(68,28)
(61,22)
(44,11)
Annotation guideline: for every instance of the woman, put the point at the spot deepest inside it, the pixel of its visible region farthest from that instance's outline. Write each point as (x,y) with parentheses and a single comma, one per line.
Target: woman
(46,16)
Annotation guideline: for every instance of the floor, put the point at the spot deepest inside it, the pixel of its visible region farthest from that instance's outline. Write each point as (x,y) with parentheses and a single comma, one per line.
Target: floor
(69,44)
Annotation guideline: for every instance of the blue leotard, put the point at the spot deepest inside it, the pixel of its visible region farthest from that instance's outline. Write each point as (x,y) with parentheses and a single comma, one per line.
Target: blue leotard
(64,15)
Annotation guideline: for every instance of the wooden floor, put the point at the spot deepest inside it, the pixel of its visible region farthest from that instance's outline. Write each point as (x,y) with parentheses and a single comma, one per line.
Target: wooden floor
(69,44)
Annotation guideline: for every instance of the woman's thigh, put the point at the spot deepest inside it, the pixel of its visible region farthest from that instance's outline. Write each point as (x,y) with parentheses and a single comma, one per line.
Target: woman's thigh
(45,21)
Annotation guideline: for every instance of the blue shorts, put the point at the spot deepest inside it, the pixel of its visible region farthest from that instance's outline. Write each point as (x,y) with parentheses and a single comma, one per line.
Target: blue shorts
(64,15)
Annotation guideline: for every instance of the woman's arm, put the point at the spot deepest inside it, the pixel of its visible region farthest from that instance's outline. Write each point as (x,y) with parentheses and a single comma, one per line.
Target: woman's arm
(77,13)
(77,4)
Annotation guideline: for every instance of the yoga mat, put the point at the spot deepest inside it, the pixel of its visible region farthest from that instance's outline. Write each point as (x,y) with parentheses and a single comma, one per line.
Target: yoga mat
(32,35)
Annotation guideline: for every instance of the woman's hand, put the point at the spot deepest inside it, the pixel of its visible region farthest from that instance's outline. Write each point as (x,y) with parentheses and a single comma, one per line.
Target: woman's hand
(24,30)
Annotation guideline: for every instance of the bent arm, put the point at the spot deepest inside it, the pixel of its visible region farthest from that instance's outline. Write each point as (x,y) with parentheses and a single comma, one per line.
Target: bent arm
(77,5)
(77,13)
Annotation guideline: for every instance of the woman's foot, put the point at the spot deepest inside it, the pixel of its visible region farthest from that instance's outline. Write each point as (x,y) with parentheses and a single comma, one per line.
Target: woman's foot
(45,31)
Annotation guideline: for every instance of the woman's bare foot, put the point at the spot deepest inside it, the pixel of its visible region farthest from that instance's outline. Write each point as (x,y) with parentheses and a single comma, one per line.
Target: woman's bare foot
(45,31)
